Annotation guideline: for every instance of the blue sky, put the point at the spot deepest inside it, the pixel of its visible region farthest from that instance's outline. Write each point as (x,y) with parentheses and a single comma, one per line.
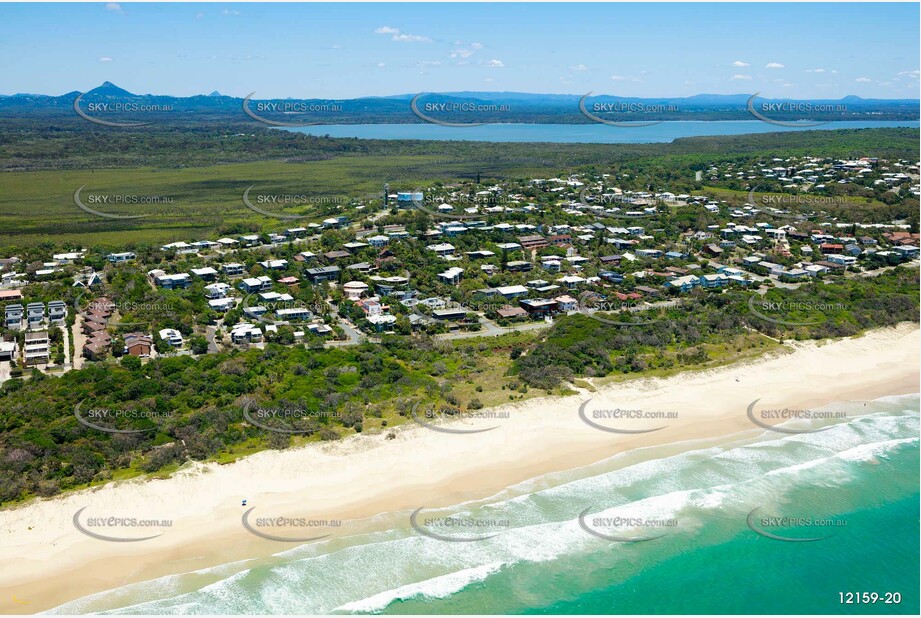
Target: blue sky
(350,50)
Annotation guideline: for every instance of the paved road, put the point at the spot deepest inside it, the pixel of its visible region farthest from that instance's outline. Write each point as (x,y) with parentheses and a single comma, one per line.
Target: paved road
(209,335)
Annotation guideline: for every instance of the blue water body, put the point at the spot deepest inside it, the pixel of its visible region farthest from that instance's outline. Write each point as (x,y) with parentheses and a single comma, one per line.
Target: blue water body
(577,133)
(860,476)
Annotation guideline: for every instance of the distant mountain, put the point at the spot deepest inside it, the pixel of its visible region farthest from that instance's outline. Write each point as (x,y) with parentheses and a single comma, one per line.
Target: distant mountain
(516,107)
(108,89)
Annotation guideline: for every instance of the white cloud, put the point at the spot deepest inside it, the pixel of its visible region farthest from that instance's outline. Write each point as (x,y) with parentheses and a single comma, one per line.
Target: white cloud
(741,77)
(397,35)
(815,70)
(909,74)
(739,63)
(230,12)
(476,45)
(461,53)
(199,15)
(411,38)
(494,63)
(105,59)
(114,6)
(381,65)
(834,72)
(773,65)
(618,78)
(863,80)
(429,63)
(578,67)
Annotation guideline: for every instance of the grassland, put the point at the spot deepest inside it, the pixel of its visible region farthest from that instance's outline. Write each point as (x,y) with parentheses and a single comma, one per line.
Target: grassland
(37,207)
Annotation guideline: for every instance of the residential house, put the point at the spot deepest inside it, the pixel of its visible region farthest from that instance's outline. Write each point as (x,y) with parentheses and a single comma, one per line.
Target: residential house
(355,289)
(207,273)
(172,337)
(118,258)
(323,273)
(567,303)
(37,348)
(539,307)
(442,249)
(533,241)
(518,266)
(57,311)
(8,350)
(14,315)
(35,314)
(451,276)
(512,291)
(232,270)
(171,282)
(217,290)
(713,281)
(221,304)
(138,344)
(684,284)
(274,264)
(244,332)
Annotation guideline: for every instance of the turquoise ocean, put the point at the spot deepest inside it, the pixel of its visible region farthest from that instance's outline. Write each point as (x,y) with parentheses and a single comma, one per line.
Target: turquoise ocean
(853,485)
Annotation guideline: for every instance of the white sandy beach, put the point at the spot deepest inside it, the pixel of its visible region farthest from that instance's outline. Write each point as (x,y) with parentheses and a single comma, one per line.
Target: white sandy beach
(47,561)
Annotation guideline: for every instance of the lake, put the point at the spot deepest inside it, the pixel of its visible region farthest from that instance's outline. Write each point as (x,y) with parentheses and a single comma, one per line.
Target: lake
(578,133)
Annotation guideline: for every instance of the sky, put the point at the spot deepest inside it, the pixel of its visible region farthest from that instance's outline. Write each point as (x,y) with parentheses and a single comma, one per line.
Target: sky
(826,50)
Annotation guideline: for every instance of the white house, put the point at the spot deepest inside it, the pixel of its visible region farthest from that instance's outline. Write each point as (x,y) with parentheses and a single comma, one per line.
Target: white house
(216,290)
(172,337)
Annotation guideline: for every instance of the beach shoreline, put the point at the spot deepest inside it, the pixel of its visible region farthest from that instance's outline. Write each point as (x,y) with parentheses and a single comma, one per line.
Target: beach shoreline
(49,562)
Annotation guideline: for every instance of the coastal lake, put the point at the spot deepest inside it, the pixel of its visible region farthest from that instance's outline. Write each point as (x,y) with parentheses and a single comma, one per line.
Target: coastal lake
(578,133)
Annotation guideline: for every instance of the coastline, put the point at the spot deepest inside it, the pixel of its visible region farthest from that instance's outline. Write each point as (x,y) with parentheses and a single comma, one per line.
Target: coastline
(363,476)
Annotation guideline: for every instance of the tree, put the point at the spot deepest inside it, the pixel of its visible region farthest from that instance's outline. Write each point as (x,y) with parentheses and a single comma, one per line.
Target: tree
(198,344)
